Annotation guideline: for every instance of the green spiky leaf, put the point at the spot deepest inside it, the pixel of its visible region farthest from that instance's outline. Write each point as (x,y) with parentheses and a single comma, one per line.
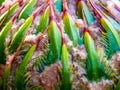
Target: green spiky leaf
(92,60)
(6,78)
(95,70)
(114,23)
(110,38)
(8,13)
(66,84)
(3,35)
(28,9)
(20,34)
(106,70)
(19,75)
(55,39)
(71,29)
(88,15)
(44,20)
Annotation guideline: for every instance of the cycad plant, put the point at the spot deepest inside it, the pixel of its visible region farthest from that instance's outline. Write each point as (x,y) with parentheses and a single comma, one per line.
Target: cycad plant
(50,45)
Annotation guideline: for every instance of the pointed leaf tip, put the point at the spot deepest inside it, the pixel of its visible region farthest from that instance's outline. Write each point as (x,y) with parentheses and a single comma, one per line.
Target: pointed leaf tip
(3,35)
(44,20)
(71,29)
(28,9)
(113,39)
(20,34)
(55,39)
(66,83)
(19,74)
(8,13)
(88,15)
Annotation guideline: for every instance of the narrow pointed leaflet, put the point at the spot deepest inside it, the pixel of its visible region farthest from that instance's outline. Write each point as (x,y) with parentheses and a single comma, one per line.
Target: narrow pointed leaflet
(110,36)
(28,9)
(3,35)
(19,75)
(70,27)
(20,34)
(81,5)
(5,16)
(55,39)
(44,20)
(66,83)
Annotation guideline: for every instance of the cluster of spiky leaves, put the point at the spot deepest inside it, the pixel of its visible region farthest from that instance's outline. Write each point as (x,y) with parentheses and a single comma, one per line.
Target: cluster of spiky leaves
(55,47)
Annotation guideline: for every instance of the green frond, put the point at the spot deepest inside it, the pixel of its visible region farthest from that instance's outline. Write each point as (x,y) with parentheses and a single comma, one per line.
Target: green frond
(88,15)
(114,23)
(106,68)
(19,74)
(28,9)
(95,69)
(92,63)
(54,35)
(71,29)
(8,13)
(3,35)
(20,34)
(45,60)
(44,20)
(11,10)
(110,38)
(66,83)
